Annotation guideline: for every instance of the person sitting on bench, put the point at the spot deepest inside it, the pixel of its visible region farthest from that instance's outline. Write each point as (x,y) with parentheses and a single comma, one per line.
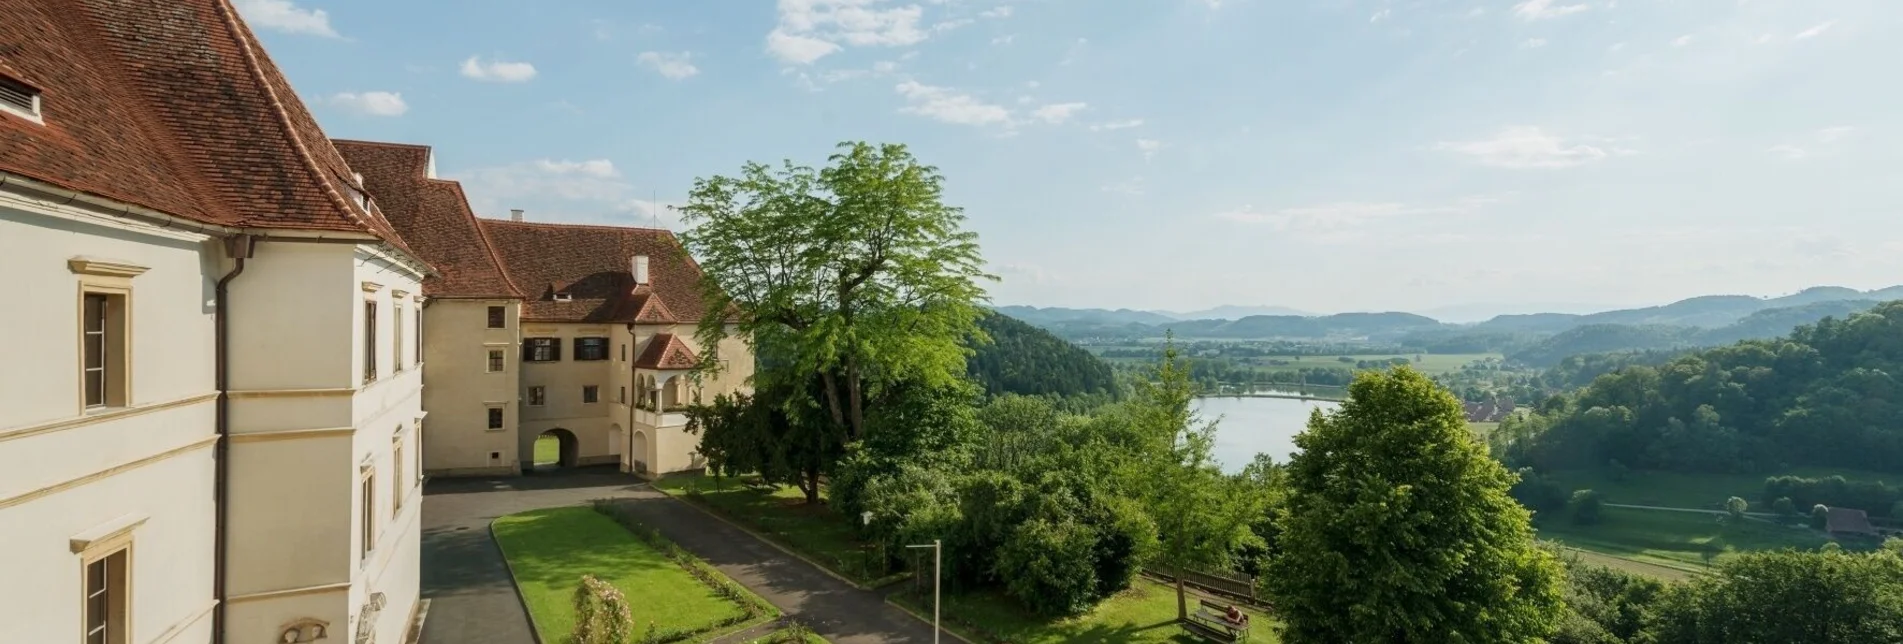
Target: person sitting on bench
(1236,617)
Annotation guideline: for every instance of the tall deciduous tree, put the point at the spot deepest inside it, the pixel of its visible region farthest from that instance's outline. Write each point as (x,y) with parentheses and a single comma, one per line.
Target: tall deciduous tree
(856,273)
(1399,528)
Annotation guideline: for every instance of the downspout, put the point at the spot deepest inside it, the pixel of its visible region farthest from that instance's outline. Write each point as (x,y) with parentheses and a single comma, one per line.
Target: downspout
(239,248)
(634,387)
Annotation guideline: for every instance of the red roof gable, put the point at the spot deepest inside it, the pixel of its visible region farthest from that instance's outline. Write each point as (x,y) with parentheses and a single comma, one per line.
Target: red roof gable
(665,351)
(434,216)
(592,266)
(172,106)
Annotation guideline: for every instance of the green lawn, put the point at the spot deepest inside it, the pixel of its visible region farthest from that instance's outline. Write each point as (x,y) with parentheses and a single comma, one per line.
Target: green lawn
(548,449)
(1144,613)
(549,550)
(1685,490)
(818,532)
(1674,539)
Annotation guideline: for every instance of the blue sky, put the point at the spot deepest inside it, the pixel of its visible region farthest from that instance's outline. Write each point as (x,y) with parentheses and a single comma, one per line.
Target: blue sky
(1327,155)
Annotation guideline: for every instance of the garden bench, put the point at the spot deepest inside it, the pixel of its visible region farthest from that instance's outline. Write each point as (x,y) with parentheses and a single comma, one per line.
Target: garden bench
(1210,622)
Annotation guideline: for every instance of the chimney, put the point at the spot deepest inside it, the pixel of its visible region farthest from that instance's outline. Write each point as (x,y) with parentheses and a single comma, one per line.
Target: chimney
(640,269)
(515,214)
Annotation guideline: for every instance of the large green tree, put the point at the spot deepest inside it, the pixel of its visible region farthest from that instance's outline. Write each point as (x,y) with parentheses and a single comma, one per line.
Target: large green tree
(1398,528)
(1828,597)
(856,274)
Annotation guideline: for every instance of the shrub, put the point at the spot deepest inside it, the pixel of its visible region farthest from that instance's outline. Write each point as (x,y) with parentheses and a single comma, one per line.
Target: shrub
(1046,564)
(601,613)
(1819,516)
(1586,507)
(1784,506)
(1736,507)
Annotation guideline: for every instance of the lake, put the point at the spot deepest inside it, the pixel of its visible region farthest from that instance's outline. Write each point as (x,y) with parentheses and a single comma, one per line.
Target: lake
(1253,426)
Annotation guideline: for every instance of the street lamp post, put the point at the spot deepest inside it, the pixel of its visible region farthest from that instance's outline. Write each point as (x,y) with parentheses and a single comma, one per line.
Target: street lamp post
(937,550)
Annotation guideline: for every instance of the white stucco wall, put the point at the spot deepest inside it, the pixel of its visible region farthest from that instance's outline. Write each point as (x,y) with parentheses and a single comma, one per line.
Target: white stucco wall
(68,473)
(563,380)
(458,388)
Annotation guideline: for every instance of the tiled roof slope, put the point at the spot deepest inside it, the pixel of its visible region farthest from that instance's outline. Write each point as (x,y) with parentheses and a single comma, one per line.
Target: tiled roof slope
(665,351)
(173,106)
(433,215)
(593,265)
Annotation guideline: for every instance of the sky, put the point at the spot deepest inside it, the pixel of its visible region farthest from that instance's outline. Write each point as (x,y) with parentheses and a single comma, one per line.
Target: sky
(1325,155)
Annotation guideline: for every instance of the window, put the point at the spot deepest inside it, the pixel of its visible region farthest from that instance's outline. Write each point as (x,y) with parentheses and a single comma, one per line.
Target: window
(107,579)
(396,484)
(538,396)
(495,418)
(623,398)
(396,337)
(419,334)
(590,393)
(103,339)
(541,349)
(591,348)
(624,352)
(367,520)
(20,99)
(564,297)
(369,341)
(495,361)
(498,317)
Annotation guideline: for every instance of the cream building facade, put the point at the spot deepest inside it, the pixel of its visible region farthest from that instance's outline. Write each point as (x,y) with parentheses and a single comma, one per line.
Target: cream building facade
(215,436)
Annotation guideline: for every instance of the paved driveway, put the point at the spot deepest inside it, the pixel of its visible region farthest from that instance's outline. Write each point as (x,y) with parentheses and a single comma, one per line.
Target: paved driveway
(474,602)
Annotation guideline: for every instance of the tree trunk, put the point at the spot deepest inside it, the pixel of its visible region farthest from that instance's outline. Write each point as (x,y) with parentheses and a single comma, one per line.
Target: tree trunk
(1182,598)
(855,397)
(832,398)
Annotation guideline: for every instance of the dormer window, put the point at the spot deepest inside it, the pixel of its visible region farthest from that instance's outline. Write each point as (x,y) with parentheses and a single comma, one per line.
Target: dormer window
(19,98)
(564,296)
(357,191)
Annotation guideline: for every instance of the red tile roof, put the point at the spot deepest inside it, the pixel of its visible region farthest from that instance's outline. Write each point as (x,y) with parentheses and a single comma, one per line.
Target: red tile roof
(1847,521)
(592,264)
(433,215)
(172,106)
(665,351)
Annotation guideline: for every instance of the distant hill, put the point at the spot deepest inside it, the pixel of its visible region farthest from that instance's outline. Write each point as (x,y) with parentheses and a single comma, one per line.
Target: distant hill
(1051,315)
(1607,338)
(1340,325)
(1023,359)
(1233,312)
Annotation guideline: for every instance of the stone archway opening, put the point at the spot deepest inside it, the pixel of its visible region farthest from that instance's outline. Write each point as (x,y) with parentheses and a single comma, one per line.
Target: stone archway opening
(638,453)
(557,448)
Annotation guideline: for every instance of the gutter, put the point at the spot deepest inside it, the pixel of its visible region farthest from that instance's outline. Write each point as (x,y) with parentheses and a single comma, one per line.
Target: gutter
(239,248)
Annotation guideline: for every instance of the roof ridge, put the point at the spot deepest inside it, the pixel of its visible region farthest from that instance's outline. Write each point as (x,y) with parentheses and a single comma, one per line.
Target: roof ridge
(488,245)
(386,144)
(250,56)
(553,224)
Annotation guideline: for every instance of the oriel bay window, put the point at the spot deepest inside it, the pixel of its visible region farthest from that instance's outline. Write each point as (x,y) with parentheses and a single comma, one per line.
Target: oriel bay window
(591,348)
(541,349)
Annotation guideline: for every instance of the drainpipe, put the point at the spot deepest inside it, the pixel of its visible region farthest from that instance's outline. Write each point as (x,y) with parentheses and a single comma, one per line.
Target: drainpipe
(239,248)
(634,387)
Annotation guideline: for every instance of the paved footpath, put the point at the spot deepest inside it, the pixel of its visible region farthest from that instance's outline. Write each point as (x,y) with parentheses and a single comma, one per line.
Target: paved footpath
(474,602)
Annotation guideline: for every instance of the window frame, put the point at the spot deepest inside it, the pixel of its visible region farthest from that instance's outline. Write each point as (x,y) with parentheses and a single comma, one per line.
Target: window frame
(592,342)
(367,513)
(495,418)
(370,340)
(396,335)
(590,394)
(538,396)
(102,553)
(115,344)
(495,360)
(397,482)
(498,316)
(534,346)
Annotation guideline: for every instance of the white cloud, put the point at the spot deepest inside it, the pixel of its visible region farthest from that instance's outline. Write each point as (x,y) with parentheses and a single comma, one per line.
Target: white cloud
(497,71)
(1379,15)
(951,24)
(1526,147)
(1789,152)
(1814,31)
(592,167)
(1477,12)
(1149,147)
(1058,112)
(1544,9)
(285,16)
(799,50)
(1533,43)
(1032,273)
(1000,11)
(371,103)
(1831,134)
(1117,125)
(1333,218)
(1133,187)
(1682,41)
(1004,39)
(950,106)
(1764,39)
(675,66)
(809,30)
(884,67)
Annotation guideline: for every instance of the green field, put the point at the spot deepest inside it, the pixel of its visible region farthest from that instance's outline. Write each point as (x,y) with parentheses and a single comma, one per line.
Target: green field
(549,551)
(1144,613)
(1687,490)
(1677,540)
(1431,364)
(548,450)
(818,532)
(1634,566)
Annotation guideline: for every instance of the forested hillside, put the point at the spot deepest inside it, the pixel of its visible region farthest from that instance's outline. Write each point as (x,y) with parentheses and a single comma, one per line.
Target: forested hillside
(1023,359)
(1828,395)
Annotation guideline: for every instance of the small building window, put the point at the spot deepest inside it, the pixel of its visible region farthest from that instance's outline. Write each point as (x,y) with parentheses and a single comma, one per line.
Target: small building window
(107,581)
(623,398)
(495,361)
(367,517)
(369,341)
(103,337)
(396,339)
(538,396)
(590,393)
(495,418)
(498,317)
(396,484)
(19,98)
(564,297)
(541,349)
(591,348)
(624,352)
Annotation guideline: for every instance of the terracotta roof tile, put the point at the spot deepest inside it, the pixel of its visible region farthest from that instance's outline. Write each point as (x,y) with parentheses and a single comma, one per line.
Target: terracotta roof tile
(592,264)
(665,351)
(172,106)
(433,215)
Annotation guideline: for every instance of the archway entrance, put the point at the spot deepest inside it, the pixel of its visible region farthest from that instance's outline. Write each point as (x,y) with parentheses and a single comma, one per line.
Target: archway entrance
(556,448)
(638,453)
